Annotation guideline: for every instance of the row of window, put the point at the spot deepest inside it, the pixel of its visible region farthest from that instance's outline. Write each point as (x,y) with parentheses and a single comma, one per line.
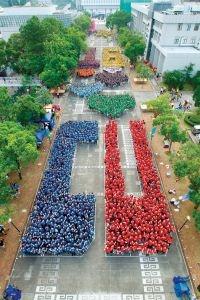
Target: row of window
(158,24)
(17,21)
(179,40)
(156,36)
(99,2)
(188,27)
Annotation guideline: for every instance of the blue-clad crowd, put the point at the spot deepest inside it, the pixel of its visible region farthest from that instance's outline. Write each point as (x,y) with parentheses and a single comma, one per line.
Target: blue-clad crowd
(85,90)
(61,222)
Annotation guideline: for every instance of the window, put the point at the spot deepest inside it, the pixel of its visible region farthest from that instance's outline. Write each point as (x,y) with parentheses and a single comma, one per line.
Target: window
(180,25)
(188,27)
(176,41)
(193,41)
(196,27)
(184,41)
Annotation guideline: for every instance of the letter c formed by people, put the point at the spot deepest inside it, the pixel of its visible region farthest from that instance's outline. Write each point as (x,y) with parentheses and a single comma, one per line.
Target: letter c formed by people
(62,223)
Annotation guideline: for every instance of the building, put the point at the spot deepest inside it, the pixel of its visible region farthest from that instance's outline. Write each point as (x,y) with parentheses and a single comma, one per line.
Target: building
(172,34)
(98,7)
(125,5)
(12,18)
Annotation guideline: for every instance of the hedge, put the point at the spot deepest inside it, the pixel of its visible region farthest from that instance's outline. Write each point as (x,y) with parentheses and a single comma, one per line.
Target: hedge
(192,119)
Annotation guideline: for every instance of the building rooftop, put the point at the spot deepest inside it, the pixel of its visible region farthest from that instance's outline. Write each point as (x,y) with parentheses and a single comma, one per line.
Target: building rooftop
(185,8)
(31,10)
(181,50)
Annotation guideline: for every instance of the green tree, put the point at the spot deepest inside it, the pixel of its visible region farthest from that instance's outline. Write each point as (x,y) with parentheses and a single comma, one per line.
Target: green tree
(26,110)
(33,36)
(187,158)
(196,96)
(187,71)
(5,104)
(173,133)
(174,79)
(18,146)
(194,196)
(144,71)
(160,105)
(5,190)
(51,27)
(77,38)
(196,79)
(43,97)
(124,36)
(14,50)
(48,49)
(55,73)
(62,50)
(186,162)
(196,215)
(3,58)
(135,48)
(119,19)
(180,168)
(83,22)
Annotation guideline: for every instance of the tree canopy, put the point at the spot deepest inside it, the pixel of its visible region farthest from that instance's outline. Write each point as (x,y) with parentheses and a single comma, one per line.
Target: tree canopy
(196,96)
(166,119)
(27,110)
(132,42)
(83,22)
(174,79)
(173,133)
(18,146)
(186,162)
(144,71)
(3,60)
(43,45)
(160,105)
(119,19)
(5,104)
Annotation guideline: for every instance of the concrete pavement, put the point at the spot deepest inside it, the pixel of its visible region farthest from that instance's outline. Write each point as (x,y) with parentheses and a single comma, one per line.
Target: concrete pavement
(95,276)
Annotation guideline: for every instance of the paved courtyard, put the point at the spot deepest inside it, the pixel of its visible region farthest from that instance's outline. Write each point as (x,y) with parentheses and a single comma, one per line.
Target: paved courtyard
(94,276)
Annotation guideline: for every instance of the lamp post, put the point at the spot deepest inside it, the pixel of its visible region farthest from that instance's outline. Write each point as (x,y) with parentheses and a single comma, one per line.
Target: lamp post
(11,222)
(188,218)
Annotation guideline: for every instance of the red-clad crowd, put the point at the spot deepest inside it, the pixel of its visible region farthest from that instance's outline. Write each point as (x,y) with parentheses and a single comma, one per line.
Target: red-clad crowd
(89,60)
(134,224)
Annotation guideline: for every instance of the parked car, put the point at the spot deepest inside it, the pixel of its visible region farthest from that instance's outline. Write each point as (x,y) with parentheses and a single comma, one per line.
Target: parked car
(196,129)
(198,138)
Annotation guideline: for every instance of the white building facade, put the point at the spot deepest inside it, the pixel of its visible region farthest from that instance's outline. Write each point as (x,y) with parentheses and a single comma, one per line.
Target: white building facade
(172,35)
(12,18)
(98,7)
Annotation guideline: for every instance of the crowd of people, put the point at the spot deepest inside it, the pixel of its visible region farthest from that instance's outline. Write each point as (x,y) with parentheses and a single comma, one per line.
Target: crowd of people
(89,60)
(112,79)
(176,100)
(85,72)
(86,90)
(111,106)
(61,222)
(134,224)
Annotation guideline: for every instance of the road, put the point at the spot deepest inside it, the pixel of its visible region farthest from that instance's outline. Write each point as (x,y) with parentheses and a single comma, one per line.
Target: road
(94,276)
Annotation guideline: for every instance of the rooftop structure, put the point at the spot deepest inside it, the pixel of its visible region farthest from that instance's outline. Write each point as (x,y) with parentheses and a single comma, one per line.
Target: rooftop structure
(125,5)
(98,7)
(12,18)
(172,34)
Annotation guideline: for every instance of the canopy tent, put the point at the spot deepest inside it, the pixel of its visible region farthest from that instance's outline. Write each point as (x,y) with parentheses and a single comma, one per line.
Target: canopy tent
(12,293)
(40,135)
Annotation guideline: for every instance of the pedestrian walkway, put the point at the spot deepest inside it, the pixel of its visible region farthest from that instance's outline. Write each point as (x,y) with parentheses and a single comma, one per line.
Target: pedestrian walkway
(17,82)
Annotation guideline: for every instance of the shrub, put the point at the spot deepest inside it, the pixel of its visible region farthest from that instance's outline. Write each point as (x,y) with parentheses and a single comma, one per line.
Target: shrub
(192,119)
